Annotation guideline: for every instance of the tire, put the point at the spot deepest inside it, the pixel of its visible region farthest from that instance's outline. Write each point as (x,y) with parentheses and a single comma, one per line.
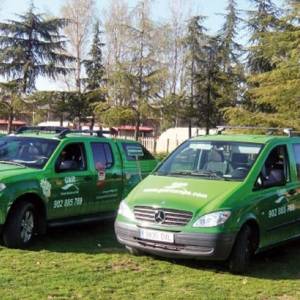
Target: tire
(242,251)
(134,251)
(19,229)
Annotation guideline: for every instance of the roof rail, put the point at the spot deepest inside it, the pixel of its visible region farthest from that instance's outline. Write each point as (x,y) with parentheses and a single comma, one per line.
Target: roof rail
(269,130)
(98,133)
(54,129)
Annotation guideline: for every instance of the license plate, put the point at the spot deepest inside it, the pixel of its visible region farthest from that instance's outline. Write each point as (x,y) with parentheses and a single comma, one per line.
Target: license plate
(155,235)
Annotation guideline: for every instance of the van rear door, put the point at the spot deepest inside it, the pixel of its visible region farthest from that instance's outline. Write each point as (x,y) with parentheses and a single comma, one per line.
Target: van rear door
(136,167)
(107,176)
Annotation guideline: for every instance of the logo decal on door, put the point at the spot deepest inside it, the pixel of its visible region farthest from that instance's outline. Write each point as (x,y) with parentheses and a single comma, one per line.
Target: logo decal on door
(46,187)
(70,186)
(101,175)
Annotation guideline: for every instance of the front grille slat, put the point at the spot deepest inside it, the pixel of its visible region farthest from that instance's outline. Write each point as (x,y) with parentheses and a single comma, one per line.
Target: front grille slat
(145,214)
(172,217)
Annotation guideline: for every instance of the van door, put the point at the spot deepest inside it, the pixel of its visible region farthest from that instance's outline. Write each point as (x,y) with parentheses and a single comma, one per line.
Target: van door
(107,177)
(70,193)
(275,197)
(296,152)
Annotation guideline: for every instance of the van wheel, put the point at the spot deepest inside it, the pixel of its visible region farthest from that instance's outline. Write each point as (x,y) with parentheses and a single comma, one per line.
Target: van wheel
(134,251)
(242,251)
(20,227)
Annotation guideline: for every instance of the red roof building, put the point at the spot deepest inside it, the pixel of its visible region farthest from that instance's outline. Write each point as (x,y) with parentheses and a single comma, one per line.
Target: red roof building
(128,130)
(15,124)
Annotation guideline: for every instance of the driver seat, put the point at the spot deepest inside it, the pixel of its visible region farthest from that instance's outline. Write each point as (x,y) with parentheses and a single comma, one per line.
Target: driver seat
(216,163)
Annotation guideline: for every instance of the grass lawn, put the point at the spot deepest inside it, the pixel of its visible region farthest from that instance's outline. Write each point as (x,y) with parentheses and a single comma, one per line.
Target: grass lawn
(86,262)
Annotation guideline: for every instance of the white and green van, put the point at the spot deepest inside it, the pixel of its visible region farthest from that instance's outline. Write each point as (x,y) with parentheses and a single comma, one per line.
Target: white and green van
(218,197)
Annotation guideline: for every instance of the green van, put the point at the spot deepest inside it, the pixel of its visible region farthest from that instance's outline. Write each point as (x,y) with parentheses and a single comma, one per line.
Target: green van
(218,197)
(53,176)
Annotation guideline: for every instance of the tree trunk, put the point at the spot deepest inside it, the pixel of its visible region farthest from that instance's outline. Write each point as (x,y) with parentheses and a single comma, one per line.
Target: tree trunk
(61,120)
(92,123)
(190,128)
(137,128)
(10,121)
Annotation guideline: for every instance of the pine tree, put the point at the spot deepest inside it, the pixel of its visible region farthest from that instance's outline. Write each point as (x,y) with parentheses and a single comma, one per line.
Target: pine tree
(262,20)
(30,47)
(230,56)
(94,66)
(205,77)
(274,94)
(95,70)
(211,82)
(194,54)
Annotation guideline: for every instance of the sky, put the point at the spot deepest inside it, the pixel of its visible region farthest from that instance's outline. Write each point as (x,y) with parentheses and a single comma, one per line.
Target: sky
(212,9)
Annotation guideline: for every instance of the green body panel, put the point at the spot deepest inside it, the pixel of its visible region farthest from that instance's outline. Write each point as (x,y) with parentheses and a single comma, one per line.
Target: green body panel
(71,193)
(275,210)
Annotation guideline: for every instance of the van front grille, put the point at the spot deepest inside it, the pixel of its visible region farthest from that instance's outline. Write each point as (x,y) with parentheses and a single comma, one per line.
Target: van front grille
(163,216)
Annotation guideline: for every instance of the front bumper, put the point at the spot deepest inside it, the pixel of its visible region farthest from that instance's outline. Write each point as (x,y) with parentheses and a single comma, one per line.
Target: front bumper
(205,246)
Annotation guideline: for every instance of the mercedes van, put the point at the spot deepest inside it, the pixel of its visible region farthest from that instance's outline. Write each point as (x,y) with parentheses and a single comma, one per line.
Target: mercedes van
(217,197)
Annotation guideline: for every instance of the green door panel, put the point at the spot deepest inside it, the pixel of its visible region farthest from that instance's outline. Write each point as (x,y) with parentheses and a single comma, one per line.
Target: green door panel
(276,212)
(107,174)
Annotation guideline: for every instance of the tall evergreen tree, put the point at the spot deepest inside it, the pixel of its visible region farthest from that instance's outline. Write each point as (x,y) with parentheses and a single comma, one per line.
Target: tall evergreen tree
(230,56)
(275,93)
(193,42)
(229,48)
(262,20)
(32,46)
(95,70)
(94,65)
(211,86)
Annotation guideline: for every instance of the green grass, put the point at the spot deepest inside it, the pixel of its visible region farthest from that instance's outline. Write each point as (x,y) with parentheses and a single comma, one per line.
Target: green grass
(86,262)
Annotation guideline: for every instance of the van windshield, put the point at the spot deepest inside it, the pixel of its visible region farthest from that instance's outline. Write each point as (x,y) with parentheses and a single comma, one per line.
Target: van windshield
(211,159)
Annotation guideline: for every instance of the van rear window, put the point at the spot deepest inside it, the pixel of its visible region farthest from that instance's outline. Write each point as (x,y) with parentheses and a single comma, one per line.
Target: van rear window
(144,155)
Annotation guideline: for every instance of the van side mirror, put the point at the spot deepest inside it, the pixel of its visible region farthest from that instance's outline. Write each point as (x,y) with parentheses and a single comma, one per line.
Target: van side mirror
(259,183)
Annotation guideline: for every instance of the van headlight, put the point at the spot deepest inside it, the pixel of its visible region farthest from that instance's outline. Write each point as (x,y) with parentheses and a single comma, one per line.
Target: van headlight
(2,186)
(125,211)
(212,219)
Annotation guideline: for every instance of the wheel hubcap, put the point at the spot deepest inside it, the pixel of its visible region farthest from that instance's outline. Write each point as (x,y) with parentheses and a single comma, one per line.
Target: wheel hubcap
(27,225)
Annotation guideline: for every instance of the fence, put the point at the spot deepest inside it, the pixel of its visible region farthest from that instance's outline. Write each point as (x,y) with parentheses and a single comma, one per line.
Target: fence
(156,145)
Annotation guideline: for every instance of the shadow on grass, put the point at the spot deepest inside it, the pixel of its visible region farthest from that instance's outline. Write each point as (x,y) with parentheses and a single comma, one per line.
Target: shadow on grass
(282,262)
(85,238)
(279,263)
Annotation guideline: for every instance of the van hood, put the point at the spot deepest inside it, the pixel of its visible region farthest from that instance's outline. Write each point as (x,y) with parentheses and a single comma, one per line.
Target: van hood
(11,170)
(189,194)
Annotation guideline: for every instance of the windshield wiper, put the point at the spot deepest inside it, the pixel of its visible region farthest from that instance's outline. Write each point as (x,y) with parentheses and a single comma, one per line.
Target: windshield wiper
(207,173)
(180,173)
(10,162)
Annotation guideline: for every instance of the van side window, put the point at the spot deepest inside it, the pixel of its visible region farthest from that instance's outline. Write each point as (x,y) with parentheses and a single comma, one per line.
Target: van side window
(102,154)
(275,171)
(296,148)
(146,154)
(72,158)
